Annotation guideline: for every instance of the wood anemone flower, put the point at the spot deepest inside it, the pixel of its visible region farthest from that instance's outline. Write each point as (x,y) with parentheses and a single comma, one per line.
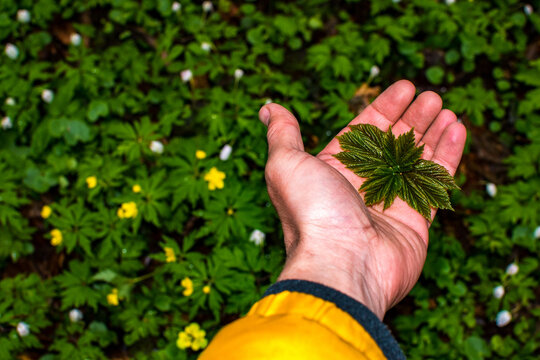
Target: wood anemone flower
(393,167)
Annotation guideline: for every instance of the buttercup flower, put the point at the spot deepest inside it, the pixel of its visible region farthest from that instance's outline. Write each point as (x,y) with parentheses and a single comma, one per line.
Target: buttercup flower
(11,51)
(176,6)
(206,289)
(47,96)
(207,6)
(136,188)
(225,152)
(156,146)
(75,315)
(6,123)
(188,286)
(46,211)
(238,73)
(23,329)
(503,318)
(75,39)
(23,16)
(491,189)
(186,75)
(199,154)
(230,212)
(169,254)
(56,237)
(112,297)
(206,46)
(512,269)
(127,210)
(498,292)
(215,179)
(10,101)
(91,181)
(192,336)
(257,237)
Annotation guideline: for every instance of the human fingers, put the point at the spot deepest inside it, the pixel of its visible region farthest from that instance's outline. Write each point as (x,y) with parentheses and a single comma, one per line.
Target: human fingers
(385,110)
(450,147)
(433,134)
(419,115)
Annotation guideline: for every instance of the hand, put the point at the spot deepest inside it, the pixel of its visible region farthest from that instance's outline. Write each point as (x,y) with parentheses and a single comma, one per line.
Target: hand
(331,237)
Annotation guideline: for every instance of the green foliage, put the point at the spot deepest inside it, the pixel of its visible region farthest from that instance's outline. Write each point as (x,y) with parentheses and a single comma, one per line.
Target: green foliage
(393,167)
(119,99)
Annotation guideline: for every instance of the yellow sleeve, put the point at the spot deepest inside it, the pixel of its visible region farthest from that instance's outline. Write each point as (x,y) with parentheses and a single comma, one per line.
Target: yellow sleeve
(304,320)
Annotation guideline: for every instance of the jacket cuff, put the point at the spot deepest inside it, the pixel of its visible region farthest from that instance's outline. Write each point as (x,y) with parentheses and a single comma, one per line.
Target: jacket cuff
(369,321)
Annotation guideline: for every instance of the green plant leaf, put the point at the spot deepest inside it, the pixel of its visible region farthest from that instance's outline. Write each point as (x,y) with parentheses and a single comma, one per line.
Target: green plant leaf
(393,167)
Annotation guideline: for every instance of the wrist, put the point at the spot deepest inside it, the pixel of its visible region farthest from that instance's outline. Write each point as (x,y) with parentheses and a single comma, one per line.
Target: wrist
(342,271)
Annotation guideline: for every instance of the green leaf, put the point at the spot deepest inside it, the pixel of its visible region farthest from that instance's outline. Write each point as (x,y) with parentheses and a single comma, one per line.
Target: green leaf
(393,167)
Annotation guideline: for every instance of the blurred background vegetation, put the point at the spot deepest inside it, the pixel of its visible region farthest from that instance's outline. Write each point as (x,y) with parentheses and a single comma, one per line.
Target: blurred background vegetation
(133,211)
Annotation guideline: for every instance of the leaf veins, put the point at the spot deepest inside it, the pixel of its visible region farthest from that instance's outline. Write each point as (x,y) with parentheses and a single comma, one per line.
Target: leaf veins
(393,167)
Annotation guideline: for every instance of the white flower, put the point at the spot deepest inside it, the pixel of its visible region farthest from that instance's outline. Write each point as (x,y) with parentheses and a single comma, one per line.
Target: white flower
(176,6)
(503,318)
(225,152)
(75,315)
(75,39)
(498,292)
(206,46)
(23,329)
(23,16)
(47,96)
(267,101)
(11,51)
(537,232)
(528,9)
(396,1)
(450,2)
(257,237)
(238,73)
(186,75)
(6,123)
(10,101)
(512,269)
(207,6)
(156,146)
(374,71)
(491,189)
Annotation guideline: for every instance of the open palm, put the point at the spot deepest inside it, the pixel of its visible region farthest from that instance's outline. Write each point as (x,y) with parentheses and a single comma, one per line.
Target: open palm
(331,237)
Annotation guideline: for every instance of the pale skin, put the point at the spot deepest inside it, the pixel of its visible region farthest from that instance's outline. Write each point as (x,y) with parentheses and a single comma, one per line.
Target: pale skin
(331,237)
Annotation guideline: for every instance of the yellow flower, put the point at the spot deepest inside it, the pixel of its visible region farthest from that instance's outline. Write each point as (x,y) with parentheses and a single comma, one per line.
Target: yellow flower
(136,188)
(188,285)
(169,254)
(192,336)
(46,211)
(56,237)
(199,154)
(112,297)
(127,210)
(215,179)
(198,344)
(206,289)
(91,181)
(230,212)
(184,340)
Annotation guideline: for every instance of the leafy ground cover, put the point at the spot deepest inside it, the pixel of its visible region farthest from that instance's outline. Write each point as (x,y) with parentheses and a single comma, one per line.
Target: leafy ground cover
(134,217)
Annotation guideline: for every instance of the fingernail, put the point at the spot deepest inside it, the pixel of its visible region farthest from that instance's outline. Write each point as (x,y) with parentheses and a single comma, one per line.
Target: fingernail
(264,115)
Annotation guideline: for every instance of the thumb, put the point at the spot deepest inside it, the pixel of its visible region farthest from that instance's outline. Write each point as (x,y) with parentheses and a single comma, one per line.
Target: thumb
(283,129)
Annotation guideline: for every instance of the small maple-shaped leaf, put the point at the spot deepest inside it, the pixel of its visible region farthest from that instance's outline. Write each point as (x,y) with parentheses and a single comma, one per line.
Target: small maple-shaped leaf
(393,167)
